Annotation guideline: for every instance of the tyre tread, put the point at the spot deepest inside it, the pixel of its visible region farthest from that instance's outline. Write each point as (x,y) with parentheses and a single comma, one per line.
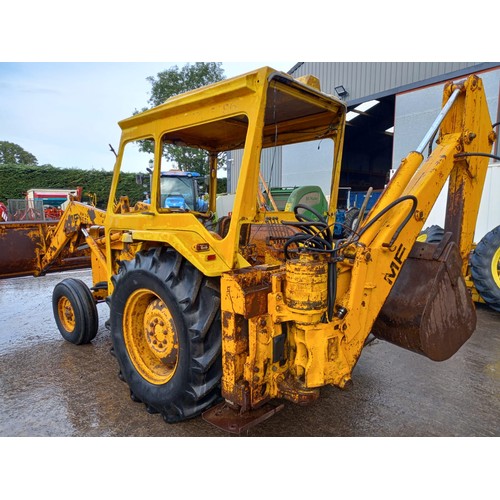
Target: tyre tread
(200,308)
(86,317)
(480,264)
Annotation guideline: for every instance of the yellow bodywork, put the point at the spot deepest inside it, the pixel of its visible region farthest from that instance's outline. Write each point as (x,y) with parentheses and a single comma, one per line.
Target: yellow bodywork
(282,336)
(227,115)
(277,341)
(290,323)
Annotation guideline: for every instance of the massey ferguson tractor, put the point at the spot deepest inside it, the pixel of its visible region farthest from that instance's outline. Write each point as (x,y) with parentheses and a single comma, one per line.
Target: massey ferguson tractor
(225,319)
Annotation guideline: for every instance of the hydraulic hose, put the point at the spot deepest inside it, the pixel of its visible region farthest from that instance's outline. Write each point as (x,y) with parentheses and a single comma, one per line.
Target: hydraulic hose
(488,155)
(316,236)
(385,210)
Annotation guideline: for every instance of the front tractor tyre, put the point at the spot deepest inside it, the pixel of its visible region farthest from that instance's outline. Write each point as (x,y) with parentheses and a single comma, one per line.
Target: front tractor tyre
(166,332)
(75,311)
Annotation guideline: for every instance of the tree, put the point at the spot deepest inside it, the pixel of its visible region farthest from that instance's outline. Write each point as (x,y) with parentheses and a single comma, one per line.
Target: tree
(175,81)
(15,154)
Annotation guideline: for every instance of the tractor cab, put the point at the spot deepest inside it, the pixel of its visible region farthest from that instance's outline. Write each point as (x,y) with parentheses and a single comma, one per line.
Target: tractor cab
(182,191)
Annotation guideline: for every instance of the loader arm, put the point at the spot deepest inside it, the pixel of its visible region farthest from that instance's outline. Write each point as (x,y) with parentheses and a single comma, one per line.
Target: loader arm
(37,247)
(77,217)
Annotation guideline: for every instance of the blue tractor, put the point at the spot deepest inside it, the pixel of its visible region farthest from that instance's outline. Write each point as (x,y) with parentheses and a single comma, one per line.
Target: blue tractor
(180,190)
(349,205)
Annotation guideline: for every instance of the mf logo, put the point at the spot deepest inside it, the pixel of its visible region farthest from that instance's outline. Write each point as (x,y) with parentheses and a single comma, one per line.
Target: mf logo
(396,264)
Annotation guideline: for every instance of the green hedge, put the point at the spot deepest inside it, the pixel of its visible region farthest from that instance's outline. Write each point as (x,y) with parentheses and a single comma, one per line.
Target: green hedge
(16,180)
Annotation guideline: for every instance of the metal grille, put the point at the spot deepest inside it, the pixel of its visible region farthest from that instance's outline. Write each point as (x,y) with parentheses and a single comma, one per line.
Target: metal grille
(20,210)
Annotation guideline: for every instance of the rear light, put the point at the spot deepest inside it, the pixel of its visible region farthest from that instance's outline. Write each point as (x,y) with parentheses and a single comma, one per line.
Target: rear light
(202,247)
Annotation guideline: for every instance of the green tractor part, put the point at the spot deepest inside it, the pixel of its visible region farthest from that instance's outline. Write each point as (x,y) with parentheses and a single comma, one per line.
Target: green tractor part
(287,198)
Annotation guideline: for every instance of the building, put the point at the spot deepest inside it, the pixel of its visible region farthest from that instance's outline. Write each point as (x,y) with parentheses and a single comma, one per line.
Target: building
(391,106)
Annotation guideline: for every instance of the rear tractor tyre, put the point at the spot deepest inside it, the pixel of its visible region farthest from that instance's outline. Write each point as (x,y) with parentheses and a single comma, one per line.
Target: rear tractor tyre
(432,234)
(485,268)
(75,311)
(351,218)
(166,332)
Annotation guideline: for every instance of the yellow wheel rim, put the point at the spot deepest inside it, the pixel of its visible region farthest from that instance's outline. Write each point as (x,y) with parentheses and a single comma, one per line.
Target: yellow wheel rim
(495,267)
(66,314)
(150,336)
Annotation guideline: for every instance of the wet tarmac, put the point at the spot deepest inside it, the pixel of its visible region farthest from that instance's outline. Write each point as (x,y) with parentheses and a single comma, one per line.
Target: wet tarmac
(49,387)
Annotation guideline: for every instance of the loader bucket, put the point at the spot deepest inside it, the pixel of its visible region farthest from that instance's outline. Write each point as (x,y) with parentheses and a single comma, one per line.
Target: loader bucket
(429,310)
(23,243)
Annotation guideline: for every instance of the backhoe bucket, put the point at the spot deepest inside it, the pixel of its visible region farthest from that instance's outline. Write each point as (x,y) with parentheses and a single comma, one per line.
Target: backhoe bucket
(429,310)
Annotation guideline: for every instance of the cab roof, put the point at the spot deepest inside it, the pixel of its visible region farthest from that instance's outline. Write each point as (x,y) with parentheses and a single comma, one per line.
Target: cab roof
(215,117)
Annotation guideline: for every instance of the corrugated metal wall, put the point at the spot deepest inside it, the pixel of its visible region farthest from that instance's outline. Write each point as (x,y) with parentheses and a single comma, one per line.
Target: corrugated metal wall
(365,79)
(270,168)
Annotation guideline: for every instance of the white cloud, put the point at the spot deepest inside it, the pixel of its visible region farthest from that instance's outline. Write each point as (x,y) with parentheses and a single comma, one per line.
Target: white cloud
(66,114)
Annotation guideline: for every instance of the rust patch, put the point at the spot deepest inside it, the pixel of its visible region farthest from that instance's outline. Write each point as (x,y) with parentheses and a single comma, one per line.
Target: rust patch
(256,300)
(292,389)
(226,318)
(455,209)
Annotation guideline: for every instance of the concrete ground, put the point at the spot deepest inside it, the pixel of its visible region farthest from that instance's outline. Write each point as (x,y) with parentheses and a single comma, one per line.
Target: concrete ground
(49,387)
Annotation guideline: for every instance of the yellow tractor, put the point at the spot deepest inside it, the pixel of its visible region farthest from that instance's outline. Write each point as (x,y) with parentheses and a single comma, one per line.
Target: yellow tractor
(225,320)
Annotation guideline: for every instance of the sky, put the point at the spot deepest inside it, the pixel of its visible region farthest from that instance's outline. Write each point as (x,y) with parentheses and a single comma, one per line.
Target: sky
(67,114)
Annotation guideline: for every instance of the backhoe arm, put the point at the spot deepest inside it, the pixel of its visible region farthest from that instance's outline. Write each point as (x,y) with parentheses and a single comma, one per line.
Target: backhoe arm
(288,330)
(387,237)
(465,131)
